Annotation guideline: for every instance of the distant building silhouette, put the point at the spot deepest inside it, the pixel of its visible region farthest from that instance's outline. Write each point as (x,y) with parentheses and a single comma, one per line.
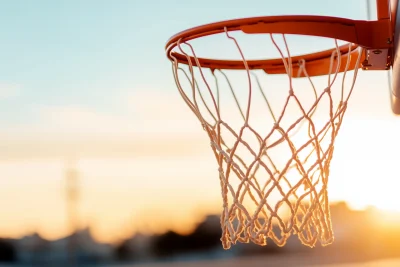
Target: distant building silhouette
(358,235)
(33,249)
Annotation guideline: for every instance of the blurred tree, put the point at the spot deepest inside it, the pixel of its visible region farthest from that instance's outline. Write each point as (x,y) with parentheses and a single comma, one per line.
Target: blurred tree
(169,243)
(206,236)
(7,251)
(124,251)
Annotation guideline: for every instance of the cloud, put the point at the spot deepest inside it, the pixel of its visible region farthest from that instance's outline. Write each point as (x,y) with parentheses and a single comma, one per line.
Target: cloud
(158,105)
(9,90)
(159,112)
(62,131)
(82,120)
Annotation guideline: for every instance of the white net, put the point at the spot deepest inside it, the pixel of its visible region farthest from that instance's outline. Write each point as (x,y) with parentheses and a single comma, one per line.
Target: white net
(273,156)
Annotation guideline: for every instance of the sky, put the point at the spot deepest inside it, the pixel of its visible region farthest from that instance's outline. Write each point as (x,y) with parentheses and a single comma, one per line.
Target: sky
(89,81)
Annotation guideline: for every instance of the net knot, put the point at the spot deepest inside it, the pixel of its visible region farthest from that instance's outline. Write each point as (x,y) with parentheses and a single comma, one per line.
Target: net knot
(291,92)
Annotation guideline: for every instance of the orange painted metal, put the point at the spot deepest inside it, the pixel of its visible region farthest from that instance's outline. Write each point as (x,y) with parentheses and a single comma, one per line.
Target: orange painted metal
(383,9)
(368,34)
(317,63)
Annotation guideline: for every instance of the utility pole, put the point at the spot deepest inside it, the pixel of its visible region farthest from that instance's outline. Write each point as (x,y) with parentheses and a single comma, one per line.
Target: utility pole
(72,186)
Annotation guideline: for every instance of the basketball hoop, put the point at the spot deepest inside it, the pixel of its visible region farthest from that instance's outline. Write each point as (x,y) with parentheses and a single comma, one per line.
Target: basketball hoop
(274,171)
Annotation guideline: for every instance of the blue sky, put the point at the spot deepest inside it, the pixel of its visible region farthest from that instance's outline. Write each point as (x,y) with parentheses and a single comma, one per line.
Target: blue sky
(89,53)
(67,53)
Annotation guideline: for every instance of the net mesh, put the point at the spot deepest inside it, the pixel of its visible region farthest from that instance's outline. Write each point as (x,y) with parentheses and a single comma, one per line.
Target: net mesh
(273,166)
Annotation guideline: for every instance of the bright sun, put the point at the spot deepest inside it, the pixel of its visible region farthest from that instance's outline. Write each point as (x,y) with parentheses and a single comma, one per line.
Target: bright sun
(363,170)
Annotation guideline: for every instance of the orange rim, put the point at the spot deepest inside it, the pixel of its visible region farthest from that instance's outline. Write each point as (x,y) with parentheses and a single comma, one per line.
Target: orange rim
(367,34)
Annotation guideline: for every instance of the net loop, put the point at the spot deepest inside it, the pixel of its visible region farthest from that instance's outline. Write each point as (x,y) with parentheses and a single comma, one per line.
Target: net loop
(274,168)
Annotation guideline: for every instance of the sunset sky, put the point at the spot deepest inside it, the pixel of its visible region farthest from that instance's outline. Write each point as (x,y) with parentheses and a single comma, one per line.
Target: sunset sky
(89,81)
